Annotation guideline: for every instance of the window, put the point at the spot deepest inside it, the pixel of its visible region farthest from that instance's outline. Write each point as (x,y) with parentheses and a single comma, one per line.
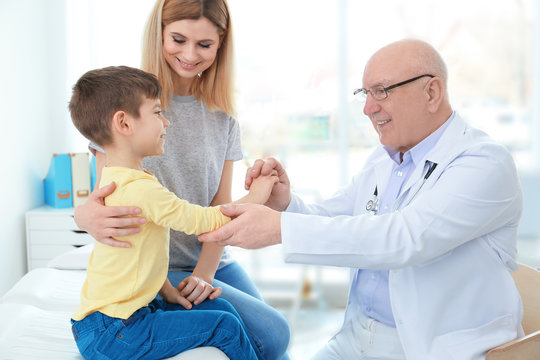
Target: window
(297,63)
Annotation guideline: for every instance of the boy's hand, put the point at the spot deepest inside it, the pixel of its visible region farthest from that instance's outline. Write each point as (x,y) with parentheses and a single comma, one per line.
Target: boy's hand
(172,295)
(261,188)
(196,290)
(281,192)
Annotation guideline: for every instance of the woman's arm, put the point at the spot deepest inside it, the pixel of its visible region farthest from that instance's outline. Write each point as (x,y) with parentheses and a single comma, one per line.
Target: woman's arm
(197,287)
(211,255)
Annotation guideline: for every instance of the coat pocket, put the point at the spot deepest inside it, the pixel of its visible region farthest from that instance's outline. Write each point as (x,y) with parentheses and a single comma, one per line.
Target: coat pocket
(474,343)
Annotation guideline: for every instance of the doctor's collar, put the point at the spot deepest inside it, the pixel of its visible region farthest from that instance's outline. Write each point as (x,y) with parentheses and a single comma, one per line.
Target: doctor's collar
(420,150)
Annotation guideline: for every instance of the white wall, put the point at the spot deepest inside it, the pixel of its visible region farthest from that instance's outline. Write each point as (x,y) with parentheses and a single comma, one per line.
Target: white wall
(33,105)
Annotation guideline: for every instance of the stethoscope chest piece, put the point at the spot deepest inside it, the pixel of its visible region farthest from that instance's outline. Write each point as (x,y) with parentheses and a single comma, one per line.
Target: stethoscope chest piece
(373,204)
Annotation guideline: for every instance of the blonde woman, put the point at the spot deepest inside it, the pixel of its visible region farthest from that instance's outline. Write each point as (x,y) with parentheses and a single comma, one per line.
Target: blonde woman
(188,45)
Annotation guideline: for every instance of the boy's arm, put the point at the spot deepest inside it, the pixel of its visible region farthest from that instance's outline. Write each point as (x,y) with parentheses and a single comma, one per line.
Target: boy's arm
(260,190)
(164,208)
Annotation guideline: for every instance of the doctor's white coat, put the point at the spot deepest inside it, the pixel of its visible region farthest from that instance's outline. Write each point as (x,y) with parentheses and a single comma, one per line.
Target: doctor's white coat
(449,244)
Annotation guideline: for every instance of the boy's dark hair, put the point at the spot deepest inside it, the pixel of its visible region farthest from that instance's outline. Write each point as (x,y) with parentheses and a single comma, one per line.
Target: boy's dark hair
(100,93)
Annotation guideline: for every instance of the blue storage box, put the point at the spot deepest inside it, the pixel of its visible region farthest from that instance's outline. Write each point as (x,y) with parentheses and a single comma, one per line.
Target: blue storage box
(57,183)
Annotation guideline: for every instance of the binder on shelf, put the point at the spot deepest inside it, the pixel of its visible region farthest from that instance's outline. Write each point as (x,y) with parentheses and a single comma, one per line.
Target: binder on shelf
(57,183)
(80,177)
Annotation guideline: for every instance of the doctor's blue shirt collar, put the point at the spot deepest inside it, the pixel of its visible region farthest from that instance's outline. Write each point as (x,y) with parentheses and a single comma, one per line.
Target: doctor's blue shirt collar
(419,152)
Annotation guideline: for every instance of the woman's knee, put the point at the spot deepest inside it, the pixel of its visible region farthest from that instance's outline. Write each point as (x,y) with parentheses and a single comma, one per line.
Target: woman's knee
(276,345)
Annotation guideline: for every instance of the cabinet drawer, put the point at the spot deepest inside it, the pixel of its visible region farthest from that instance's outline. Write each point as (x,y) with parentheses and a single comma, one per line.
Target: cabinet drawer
(48,251)
(51,222)
(59,237)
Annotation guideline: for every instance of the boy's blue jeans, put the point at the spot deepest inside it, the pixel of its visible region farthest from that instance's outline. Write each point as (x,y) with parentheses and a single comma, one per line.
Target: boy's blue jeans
(162,330)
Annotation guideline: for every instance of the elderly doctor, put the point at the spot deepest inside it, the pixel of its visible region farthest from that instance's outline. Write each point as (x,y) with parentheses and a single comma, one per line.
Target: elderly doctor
(428,226)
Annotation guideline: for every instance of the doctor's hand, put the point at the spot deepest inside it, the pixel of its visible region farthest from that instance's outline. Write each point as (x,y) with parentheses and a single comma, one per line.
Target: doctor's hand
(106,222)
(253,227)
(281,192)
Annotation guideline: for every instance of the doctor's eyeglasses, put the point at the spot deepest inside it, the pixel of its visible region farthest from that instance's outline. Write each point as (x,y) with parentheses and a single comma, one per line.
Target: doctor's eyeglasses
(380,92)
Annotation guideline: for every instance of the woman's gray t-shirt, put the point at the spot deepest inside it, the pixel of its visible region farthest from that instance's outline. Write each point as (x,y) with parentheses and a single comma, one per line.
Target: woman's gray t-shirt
(197,143)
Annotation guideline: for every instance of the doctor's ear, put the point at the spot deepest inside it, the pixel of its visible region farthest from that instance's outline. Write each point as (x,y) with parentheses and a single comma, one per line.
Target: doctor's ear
(121,123)
(434,92)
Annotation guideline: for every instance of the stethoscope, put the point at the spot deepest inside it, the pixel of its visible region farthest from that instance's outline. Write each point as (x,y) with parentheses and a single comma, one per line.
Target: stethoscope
(372,205)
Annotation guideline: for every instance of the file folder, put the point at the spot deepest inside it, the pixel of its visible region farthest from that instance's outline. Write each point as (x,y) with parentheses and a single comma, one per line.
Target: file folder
(57,183)
(80,177)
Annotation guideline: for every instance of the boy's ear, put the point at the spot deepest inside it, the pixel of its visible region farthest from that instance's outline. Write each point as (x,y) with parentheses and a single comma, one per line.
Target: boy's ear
(121,123)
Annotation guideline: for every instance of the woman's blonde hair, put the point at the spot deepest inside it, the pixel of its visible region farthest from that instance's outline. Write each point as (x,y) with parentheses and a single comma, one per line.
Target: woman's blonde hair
(215,85)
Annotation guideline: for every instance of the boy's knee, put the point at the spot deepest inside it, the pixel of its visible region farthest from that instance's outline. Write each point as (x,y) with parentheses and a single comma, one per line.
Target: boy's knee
(223,305)
(230,322)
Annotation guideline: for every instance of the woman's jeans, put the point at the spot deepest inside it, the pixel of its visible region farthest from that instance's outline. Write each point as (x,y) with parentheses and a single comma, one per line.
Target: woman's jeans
(267,326)
(162,330)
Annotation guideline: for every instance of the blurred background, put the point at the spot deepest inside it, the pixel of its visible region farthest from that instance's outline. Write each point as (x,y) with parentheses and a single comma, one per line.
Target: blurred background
(297,64)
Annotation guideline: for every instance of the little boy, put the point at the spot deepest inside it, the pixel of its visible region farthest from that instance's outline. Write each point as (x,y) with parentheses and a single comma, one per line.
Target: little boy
(120,317)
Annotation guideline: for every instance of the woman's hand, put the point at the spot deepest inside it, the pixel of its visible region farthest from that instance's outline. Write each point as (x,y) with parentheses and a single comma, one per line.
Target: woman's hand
(106,222)
(196,290)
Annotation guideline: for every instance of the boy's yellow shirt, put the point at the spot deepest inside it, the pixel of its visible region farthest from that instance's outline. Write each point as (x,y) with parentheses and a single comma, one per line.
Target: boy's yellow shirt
(119,281)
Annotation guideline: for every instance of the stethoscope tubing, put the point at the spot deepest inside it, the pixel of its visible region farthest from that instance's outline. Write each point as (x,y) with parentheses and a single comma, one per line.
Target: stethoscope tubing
(373,204)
